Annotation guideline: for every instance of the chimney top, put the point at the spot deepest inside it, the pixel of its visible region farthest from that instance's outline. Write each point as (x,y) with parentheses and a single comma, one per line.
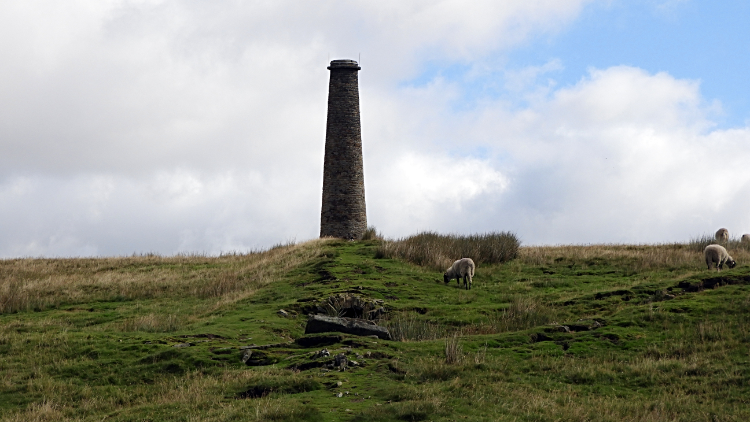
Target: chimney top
(344,64)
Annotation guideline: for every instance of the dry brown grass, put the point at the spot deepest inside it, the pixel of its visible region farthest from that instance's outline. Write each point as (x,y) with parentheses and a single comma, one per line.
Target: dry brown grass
(37,284)
(437,252)
(635,257)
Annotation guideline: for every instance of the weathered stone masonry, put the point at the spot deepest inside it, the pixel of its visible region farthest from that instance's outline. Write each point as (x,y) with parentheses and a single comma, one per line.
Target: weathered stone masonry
(343,212)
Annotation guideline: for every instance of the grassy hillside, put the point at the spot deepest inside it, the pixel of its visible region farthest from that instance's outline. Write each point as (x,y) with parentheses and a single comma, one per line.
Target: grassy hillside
(611,333)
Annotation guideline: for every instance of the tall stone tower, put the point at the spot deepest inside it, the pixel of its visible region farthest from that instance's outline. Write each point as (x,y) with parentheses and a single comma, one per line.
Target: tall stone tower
(343,213)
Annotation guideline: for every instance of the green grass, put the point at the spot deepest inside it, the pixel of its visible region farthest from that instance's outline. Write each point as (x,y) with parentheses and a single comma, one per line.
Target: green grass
(597,332)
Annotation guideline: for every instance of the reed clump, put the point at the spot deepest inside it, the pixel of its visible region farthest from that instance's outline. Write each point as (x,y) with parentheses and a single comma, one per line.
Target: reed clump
(522,313)
(453,350)
(437,251)
(371,233)
(407,327)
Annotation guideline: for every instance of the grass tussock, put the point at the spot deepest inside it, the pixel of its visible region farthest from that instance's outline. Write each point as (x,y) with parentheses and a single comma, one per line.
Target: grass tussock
(407,327)
(371,233)
(454,353)
(438,252)
(38,284)
(522,313)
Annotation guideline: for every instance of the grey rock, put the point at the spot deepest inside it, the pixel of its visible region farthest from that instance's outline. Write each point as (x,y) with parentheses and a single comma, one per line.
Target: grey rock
(355,326)
(322,353)
(340,361)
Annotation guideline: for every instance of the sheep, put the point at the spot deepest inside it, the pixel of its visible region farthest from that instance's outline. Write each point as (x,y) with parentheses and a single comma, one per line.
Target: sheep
(722,235)
(716,254)
(745,238)
(464,267)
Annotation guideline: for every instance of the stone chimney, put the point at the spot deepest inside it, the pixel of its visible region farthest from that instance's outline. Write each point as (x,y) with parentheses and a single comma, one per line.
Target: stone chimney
(343,213)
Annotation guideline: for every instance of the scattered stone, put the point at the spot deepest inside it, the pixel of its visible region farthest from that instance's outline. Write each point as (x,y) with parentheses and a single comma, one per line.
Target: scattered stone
(355,326)
(283,313)
(340,362)
(564,329)
(321,354)
(339,384)
(340,394)
(183,345)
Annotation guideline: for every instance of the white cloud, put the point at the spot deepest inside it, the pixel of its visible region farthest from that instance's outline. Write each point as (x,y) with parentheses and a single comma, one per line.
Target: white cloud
(167,212)
(623,156)
(418,192)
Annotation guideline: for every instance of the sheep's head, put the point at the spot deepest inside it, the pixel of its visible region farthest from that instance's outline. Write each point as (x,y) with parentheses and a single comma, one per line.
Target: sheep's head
(446,279)
(731,263)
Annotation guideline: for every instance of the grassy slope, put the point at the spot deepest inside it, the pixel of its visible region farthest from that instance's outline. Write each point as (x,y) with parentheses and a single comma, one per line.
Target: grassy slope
(103,347)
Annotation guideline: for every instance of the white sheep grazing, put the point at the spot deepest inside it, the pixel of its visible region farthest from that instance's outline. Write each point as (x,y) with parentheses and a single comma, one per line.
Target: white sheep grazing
(745,238)
(464,267)
(722,235)
(716,254)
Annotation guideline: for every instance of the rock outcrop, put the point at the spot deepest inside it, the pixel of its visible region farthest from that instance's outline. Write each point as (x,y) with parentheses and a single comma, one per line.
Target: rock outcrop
(355,326)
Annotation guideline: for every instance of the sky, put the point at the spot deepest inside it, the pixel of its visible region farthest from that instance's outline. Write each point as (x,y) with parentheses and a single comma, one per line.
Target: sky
(196,127)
